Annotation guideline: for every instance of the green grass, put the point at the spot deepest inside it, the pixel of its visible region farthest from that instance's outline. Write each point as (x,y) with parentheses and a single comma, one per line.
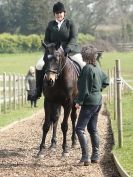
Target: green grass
(124,154)
(18,63)
(18,114)
(126,63)
(108,60)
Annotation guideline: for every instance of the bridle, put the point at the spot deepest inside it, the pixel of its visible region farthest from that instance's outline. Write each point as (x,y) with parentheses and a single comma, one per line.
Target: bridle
(60,67)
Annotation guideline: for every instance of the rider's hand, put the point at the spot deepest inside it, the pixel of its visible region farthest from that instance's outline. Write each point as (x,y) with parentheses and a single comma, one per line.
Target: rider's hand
(77,106)
(67,51)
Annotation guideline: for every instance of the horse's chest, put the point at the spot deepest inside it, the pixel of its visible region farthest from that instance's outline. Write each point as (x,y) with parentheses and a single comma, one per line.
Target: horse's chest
(56,95)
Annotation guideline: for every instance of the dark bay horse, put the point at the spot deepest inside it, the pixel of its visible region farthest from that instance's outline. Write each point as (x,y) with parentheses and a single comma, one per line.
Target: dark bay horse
(60,89)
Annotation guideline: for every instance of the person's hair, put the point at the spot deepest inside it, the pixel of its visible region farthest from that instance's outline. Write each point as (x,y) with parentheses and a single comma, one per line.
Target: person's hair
(89,54)
(58,7)
(32,69)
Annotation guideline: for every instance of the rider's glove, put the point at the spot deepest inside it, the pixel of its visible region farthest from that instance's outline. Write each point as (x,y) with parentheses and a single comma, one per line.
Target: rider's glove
(67,51)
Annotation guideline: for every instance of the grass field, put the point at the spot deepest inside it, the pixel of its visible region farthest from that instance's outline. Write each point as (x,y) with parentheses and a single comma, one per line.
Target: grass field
(124,154)
(126,62)
(20,63)
(19,114)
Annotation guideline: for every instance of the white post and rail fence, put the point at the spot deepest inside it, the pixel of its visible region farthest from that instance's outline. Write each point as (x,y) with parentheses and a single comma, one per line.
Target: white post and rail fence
(12,92)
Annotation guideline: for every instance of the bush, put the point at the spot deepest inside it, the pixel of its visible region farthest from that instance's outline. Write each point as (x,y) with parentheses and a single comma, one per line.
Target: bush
(20,43)
(85,38)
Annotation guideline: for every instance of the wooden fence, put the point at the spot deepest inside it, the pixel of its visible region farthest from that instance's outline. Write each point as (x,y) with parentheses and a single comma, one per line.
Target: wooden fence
(125,46)
(118,86)
(12,92)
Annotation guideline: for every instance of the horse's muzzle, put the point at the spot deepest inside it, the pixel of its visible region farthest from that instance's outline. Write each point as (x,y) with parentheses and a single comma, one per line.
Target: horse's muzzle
(50,78)
(50,83)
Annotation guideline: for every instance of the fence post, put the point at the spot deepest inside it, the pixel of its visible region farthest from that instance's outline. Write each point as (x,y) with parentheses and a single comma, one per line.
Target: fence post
(115,94)
(119,104)
(109,89)
(10,95)
(4,91)
(19,91)
(0,95)
(14,90)
(112,93)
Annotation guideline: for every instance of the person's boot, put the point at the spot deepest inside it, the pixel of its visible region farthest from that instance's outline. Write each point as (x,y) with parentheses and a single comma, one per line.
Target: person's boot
(39,83)
(85,159)
(35,104)
(95,148)
(31,103)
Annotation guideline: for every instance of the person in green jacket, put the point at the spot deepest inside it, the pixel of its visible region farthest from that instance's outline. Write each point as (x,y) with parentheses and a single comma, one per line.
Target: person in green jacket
(64,32)
(90,84)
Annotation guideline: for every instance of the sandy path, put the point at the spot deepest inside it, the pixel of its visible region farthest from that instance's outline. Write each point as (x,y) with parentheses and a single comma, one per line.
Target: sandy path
(19,146)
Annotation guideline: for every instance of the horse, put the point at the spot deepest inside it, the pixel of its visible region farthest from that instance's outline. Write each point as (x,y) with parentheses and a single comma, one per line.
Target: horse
(60,90)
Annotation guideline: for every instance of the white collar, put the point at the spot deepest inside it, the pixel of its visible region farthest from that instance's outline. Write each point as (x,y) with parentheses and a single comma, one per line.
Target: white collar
(59,23)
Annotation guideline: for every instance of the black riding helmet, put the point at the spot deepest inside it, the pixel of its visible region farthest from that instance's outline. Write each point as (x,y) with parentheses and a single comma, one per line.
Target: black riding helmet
(58,7)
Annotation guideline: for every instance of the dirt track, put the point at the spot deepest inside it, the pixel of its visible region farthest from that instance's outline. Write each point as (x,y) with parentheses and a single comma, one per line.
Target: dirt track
(19,146)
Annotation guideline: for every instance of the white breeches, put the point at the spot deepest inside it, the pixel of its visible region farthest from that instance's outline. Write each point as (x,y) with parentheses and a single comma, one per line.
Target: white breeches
(78,58)
(40,64)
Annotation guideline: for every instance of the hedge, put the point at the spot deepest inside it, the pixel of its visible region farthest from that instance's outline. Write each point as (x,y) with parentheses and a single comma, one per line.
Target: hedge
(19,43)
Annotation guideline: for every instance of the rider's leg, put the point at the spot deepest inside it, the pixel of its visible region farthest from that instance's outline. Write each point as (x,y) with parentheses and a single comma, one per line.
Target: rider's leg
(39,76)
(78,58)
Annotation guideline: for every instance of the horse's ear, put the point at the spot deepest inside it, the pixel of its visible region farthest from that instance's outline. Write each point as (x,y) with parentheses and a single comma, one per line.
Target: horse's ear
(43,44)
(99,54)
(57,45)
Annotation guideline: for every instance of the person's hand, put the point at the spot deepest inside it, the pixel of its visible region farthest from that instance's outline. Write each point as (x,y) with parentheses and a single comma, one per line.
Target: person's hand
(67,51)
(77,106)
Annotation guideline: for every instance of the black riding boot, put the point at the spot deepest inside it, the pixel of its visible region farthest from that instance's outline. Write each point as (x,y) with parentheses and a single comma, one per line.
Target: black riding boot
(39,82)
(95,148)
(84,145)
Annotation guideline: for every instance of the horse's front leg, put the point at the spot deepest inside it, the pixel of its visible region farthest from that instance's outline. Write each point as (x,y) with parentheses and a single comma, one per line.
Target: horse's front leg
(46,127)
(64,127)
(55,117)
(73,119)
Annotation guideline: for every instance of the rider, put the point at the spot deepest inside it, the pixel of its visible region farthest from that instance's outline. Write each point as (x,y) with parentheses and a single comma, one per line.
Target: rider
(60,31)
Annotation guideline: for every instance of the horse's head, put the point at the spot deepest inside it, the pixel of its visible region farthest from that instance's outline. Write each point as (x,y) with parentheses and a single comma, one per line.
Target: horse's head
(99,54)
(53,62)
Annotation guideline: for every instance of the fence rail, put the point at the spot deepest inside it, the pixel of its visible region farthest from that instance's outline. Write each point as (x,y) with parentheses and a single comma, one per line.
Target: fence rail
(125,46)
(12,92)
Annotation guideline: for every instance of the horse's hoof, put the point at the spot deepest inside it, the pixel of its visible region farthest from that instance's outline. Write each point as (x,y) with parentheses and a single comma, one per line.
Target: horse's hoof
(65,154)
(74,145)
(41,154)
(53,149)
(53,146)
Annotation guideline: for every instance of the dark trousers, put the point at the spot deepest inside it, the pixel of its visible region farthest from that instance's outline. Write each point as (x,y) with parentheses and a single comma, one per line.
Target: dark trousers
(88,117)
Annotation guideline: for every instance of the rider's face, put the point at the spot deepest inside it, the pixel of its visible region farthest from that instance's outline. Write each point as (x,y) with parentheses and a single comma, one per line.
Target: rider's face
(59,16)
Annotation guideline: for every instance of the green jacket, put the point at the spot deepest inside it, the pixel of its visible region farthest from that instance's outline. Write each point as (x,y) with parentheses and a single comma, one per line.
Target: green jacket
(90,84)
(67,35)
